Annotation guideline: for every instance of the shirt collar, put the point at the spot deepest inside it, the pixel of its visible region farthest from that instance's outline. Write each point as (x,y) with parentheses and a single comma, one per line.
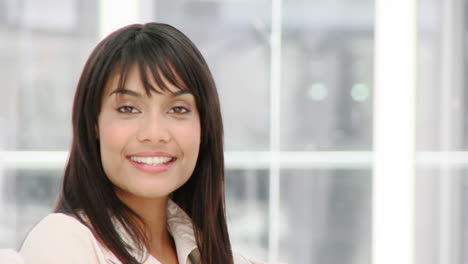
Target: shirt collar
(180,227)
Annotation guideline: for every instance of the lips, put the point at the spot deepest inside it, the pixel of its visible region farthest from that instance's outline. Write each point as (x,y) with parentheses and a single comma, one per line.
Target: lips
(152,162)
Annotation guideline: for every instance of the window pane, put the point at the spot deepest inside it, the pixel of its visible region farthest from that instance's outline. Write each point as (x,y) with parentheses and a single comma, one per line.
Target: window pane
(26,197)
(327,74)
(327,216)
(41,57)
(441,137)
(247,211)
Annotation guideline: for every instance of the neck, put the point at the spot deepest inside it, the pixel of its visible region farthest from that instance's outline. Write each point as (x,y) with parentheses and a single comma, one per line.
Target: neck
(153,212)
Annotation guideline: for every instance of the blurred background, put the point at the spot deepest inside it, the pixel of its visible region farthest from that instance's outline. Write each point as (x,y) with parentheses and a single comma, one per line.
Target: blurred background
(296,81)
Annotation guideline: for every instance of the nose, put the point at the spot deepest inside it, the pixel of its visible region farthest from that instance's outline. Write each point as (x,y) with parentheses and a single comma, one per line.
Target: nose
(154,129)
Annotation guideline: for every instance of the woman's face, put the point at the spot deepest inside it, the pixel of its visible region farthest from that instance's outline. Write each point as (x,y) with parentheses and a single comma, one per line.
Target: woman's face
(149,145)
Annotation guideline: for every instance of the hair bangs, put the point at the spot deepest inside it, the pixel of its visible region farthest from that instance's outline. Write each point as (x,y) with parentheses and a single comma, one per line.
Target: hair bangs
(154,66)
(161,73)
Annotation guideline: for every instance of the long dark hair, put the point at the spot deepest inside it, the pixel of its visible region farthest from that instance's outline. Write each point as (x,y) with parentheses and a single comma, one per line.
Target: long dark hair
(169,54)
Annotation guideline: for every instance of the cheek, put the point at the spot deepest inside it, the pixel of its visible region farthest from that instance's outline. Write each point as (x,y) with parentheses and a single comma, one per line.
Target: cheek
(189,139)
(113,137)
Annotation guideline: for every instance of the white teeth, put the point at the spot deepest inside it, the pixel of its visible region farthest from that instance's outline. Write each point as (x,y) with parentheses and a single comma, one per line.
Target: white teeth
(154,161)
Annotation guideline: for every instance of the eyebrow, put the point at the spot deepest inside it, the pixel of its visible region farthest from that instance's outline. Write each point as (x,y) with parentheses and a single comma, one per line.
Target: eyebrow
(138,95)
(126,92)
(181,92)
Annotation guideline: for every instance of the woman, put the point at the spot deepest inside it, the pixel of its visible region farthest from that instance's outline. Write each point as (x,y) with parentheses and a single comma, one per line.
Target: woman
(144,180)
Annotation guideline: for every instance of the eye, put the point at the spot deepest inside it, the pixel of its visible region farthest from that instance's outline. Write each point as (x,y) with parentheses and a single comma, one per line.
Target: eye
(127,109)
(179,110)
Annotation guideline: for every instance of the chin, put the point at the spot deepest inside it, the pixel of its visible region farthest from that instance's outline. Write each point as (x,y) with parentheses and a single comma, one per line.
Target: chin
(151,194)
(148,191)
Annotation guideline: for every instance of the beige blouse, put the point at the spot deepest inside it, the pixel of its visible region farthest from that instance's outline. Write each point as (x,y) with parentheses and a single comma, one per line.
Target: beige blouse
(60,238)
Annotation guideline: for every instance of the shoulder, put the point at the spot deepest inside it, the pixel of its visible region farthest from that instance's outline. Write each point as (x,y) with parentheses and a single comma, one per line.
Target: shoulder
(240,259)
(59,221)
(9,256)
(55,227)
(59,238)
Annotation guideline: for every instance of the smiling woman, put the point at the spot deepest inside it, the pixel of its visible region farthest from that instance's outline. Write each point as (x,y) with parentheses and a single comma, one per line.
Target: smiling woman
(144,182)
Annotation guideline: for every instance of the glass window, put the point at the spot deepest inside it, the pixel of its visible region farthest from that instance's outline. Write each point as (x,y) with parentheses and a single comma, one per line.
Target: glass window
(26,197)
(325,216)
(441,133)
(327,75)
(247,210)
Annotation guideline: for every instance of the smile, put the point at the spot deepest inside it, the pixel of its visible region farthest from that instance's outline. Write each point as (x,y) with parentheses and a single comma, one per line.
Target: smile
(153,161)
